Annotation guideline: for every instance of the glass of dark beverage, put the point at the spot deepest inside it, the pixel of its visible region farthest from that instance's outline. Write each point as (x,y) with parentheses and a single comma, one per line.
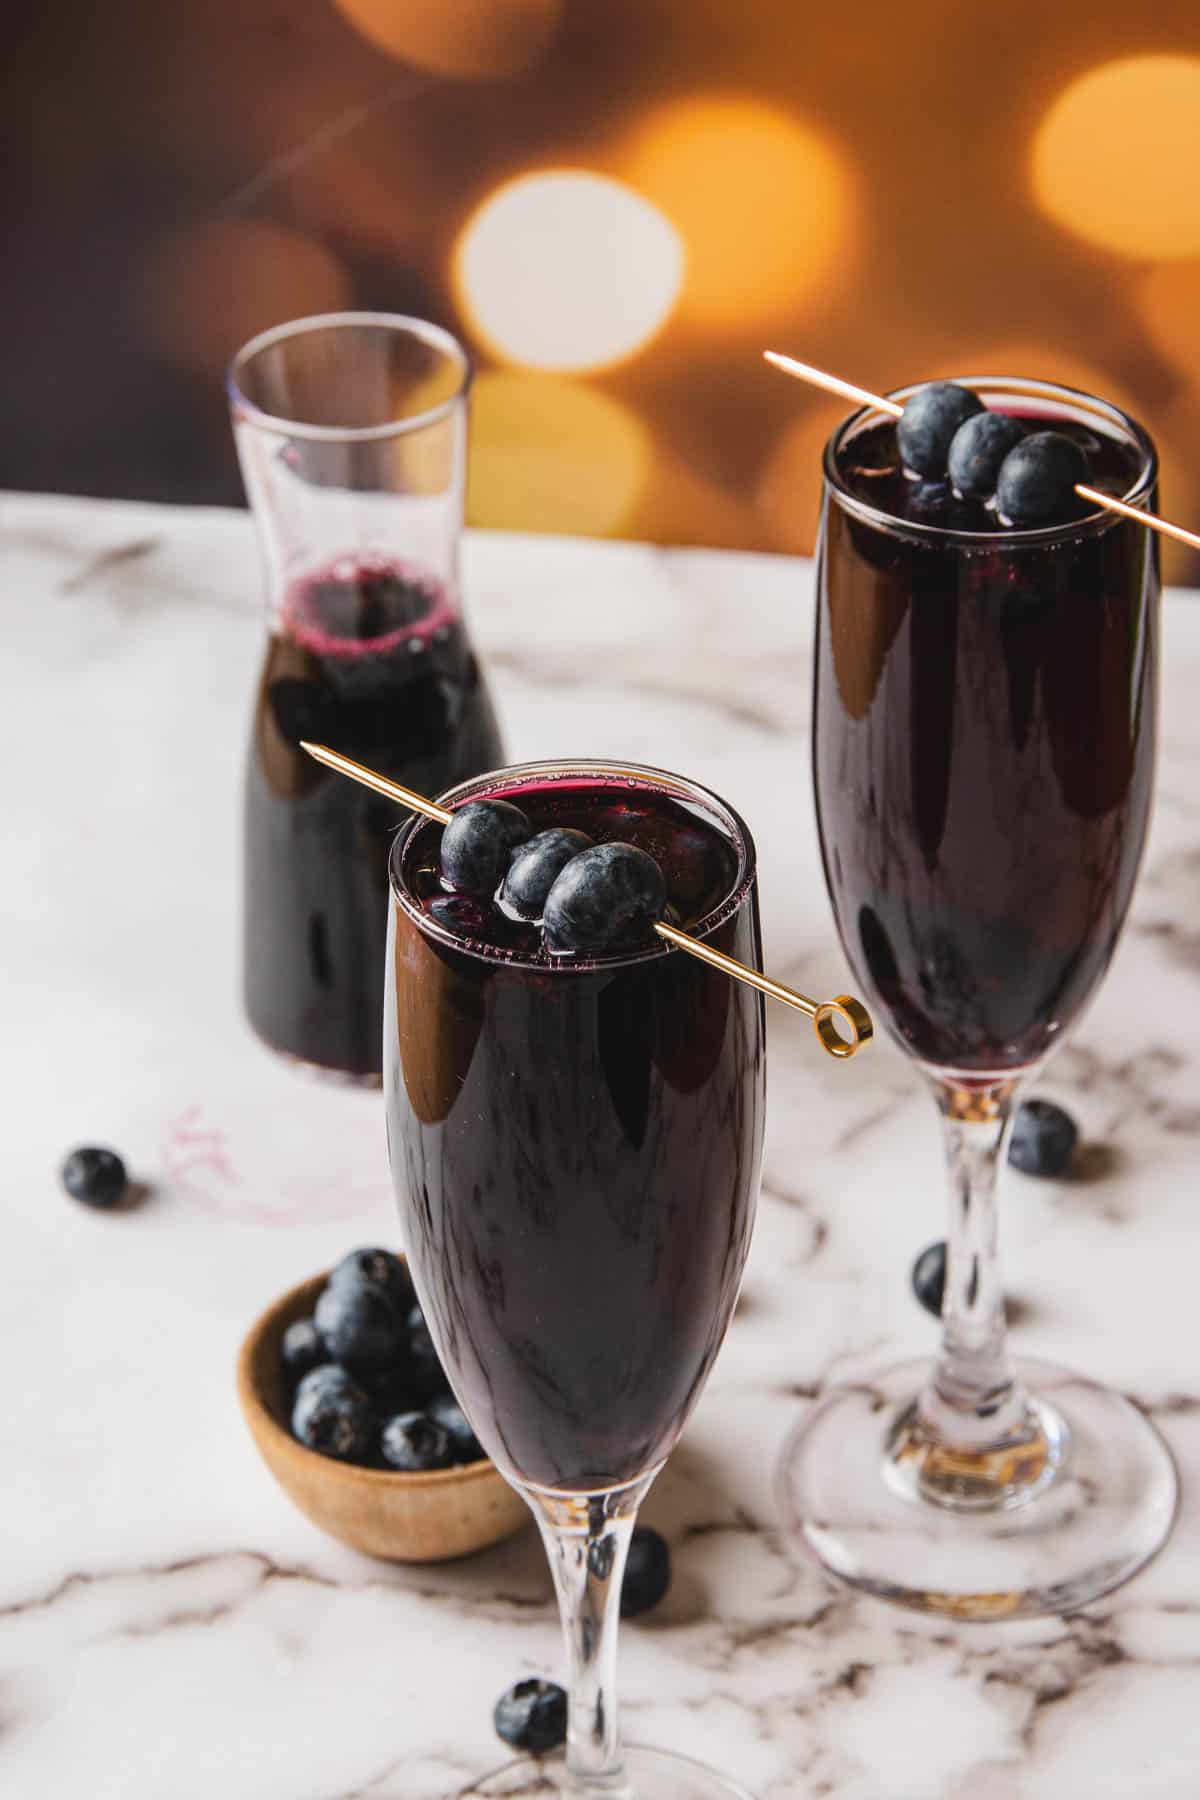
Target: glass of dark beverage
(351,429)
(575,1145)
(983,754)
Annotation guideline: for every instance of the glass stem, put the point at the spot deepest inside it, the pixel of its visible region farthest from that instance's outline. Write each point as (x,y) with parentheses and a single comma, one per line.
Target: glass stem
(973,1401)
(587,1540)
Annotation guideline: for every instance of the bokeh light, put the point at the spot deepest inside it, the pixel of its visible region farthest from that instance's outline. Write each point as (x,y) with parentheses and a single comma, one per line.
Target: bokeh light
(553,455)
(1168,299)
(476,40)
(787,494)
(1117,157)
(208,289)
(763,201)
(567,270)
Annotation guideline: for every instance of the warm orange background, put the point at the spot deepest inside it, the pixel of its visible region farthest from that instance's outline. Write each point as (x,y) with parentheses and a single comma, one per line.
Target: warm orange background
(617,203)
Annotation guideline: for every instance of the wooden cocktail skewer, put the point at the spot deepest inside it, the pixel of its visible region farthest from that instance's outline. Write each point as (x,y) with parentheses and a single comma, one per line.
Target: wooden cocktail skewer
(827,1015)
(833,384)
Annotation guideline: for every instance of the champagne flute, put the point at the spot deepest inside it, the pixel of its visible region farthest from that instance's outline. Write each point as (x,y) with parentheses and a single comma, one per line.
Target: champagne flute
(983,755)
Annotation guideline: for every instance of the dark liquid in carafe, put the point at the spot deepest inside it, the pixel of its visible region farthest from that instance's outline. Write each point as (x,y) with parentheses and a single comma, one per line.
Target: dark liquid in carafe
(372,659)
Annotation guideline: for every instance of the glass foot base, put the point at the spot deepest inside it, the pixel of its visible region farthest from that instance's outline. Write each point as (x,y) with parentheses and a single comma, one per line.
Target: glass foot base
(1100,1508)
(649,1775)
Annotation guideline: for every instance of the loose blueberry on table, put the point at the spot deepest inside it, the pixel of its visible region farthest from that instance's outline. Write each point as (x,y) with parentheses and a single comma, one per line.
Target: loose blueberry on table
(532,1716)
(929,1278)
(95,1176)
(1043,1139)
(647,1572)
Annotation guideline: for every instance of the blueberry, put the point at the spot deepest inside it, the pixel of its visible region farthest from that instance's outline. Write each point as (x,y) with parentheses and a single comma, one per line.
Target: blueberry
(392,1391)
(459,913)
(423,1366)
(647,1572)
(929,1278)
(977,450)
(926,427)
(332,1414)
(302,1348)
(536,866)
(378,1268)
(604,897)
(1036,483)
(445,1411)
(95,1176)
(478,842)
(1043,1139)
(532,1716)
(361,1325)
(413,1442)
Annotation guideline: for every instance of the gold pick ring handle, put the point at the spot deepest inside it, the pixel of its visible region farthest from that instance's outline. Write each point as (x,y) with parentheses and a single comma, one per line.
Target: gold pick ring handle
(832,1019)
(842,1026)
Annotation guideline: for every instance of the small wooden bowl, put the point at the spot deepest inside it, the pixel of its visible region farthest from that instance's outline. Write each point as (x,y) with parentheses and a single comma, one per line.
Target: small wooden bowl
(402,1518)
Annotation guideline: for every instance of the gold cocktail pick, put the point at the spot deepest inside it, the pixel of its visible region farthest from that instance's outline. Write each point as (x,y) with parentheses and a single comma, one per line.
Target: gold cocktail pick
(833,384)
(827,1015)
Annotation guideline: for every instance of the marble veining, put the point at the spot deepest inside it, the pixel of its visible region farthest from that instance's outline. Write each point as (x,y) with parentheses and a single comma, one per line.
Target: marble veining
(169,1628)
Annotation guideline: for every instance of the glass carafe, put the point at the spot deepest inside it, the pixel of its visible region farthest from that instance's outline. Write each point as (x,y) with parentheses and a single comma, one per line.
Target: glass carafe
(351,430)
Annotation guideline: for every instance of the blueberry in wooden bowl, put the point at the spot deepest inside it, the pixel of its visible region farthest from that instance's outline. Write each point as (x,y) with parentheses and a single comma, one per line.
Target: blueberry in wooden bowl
(339,1477)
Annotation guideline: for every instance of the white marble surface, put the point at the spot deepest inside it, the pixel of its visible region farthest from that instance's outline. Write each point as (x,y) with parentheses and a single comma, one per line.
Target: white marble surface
(169,1628)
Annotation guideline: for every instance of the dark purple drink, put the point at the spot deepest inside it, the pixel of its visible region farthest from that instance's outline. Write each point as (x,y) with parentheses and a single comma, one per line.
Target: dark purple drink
(372,659)
(575,1142)
(983,741)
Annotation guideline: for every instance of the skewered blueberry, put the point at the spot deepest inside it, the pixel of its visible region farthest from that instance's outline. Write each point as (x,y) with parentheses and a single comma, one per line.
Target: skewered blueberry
(1043,1139)
(536,866)
(361,1325)
(332,1415)
(929,1278)
(532,1716)
(95,1176)
(604,897)
(478,842)
(301,1348)
(377,1268)
(926,427)
(647,1572)
(979,446)
(1036,483)
(413,1443)
(445,1411)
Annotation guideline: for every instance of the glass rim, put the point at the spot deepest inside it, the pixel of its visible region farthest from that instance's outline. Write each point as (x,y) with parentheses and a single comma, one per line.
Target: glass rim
(1091,523)
(502,780)
(401,324)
